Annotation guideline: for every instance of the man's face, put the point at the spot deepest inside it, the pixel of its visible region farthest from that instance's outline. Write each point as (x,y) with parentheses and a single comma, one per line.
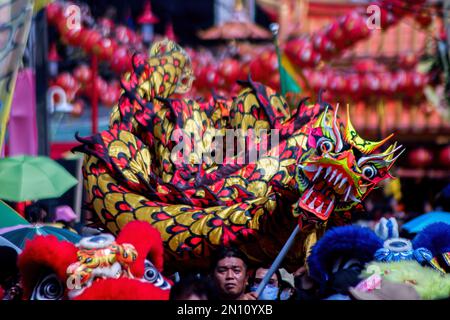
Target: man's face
(230,275)
(259,276)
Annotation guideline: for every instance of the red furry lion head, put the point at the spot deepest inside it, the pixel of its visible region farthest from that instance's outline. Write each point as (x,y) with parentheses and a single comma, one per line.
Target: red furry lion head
(98,268)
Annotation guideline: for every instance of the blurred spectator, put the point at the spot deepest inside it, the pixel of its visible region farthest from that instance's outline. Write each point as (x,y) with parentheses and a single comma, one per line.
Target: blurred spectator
(191,287)
(9,274)
(229,273)
(272,289)
(36,213)
(65,216)
(287,287)
(306,287)
(86,227)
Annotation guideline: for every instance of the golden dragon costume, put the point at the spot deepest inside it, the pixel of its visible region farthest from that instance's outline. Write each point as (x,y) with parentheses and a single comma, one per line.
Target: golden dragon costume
(162,160)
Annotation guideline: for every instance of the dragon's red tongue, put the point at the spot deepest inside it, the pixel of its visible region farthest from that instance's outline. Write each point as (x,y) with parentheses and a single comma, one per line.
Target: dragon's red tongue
(320,204)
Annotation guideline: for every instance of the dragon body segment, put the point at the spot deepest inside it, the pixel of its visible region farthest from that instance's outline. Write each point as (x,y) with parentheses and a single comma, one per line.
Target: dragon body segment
(165,160)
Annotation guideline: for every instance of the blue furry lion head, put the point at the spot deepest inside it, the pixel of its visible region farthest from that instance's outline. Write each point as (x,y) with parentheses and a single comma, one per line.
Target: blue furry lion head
(435,237)
(350,242)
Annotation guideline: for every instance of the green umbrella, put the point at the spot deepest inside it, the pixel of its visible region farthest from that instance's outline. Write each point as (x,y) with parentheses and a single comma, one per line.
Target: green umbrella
(9,217)
(33,178)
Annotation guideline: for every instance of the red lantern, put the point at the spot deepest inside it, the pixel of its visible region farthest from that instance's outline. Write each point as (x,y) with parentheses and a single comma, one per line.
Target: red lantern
(83,74)
(353,84)
(444,156)
(293,47)
(256,70)
(420,157)
(323,44)
(335,35)
(73,36)
(423,17)
(122,35)
(213,79)
(106,26)
(120,60)
(230,70)
(70,85)
(89,39)
(407,61)
(104,49)
(387,18)
(100,85)
(372,83)
(54,12)
(108,99)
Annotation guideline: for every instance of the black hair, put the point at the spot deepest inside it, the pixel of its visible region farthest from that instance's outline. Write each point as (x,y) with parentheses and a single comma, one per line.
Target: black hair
(252,276)
(189,285)
(227,252)
(33,212)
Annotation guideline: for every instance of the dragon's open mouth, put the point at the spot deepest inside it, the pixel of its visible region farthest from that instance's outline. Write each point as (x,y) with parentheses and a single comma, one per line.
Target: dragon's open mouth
(329,186)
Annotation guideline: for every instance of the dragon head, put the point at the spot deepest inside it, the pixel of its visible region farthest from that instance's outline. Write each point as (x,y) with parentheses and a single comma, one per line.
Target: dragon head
(339,168)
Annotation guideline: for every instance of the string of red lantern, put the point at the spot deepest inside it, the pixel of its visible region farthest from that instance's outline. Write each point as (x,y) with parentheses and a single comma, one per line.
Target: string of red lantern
(306,52)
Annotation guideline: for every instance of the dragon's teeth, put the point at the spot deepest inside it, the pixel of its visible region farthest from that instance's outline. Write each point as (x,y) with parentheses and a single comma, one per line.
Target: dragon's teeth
(317,174)
(343,181)
(338,178)
(329,207)
(308,195)
(311,168)
(352,197)
(319,209)
(333,175)
(311,205)
(347,193)
(328,172)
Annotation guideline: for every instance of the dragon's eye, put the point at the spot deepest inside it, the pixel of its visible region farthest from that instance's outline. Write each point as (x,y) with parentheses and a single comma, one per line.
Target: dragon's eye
(369,171)
(325,146)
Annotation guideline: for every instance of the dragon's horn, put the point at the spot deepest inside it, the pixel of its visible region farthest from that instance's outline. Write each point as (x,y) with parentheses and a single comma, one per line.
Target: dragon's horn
(352,137)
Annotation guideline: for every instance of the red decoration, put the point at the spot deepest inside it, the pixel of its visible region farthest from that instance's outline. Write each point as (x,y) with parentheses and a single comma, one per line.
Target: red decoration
(104,49)
(120,60)
(170,34)
(444,156)
(78,108)
(53,54)
(420,157)
(148,16)
(66,81)
(83,74)
(54,12)
(89,38)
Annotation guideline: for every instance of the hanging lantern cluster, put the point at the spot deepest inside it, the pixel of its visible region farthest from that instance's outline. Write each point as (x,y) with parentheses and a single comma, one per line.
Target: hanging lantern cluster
(113,49)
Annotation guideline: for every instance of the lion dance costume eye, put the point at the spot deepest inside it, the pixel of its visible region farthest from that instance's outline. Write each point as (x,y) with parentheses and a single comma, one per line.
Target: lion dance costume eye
(310,170)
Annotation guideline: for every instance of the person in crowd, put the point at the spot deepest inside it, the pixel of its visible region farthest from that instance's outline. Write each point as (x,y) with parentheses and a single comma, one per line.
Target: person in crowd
(287,286)
(66,217)
(191,287)
(306,288)
(36,213)
(9,274)
(87,228)
(229,274)
(272,289)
